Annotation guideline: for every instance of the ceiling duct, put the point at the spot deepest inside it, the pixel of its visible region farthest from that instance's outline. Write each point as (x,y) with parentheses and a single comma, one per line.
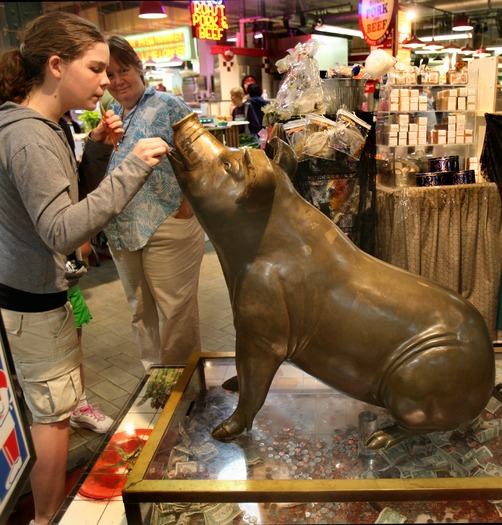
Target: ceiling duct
(340,19)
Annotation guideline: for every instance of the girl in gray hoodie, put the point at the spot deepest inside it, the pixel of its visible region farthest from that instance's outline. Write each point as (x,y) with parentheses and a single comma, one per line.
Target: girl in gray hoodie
(60,64)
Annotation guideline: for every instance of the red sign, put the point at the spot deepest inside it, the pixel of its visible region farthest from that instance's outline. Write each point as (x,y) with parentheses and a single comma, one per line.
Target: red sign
(208,18)
(377,20)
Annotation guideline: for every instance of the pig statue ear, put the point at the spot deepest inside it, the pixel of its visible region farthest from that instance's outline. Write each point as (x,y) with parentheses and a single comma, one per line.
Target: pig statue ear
(259,180)
(280,152)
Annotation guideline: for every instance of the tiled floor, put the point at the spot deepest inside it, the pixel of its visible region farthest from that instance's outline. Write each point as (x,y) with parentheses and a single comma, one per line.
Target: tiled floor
(111,359)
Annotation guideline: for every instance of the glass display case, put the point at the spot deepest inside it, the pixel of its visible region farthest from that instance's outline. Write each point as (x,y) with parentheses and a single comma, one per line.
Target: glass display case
(304,447)
(419,124)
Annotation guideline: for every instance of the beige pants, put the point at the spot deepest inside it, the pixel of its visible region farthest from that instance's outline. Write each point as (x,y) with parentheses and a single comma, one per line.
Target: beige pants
(161,283)
(47,357)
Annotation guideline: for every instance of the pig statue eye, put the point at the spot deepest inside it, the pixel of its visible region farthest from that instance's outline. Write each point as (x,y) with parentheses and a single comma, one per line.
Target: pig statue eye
(227,166)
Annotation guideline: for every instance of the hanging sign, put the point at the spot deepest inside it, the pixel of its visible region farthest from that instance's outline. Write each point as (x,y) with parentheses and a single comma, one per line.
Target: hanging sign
(161,46)
(377,20)
(208,19)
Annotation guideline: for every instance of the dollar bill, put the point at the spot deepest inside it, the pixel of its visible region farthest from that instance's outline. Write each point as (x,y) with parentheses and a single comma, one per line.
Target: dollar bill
(439,439)
(436,461)
(205,452)
(389,515)
(482,436)
(493,405)
(221,513)
(493,470)
(186,467)
(482,454)
(253,455)
(423,473)
(395,454)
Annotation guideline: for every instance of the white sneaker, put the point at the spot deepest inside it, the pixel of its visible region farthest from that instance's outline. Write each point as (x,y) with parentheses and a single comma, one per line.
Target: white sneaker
(91,418)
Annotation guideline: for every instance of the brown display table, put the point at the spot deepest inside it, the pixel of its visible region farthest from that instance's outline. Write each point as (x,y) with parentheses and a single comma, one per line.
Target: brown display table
(451,234)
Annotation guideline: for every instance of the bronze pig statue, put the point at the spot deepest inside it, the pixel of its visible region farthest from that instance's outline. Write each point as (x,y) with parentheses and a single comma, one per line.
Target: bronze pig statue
(302,291)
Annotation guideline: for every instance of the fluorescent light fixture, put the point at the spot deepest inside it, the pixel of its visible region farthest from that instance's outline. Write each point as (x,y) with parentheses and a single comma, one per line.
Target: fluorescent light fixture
(336,30)
(232,38)
(424,51)
(495,48)
(258,36)
(440,38)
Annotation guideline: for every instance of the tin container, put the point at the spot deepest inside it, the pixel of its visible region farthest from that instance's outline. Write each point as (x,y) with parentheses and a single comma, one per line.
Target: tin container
(450,163)
(464,177)
(429,179)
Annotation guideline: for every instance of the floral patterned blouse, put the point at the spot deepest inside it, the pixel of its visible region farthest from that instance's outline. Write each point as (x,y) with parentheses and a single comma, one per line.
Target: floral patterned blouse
(153,116)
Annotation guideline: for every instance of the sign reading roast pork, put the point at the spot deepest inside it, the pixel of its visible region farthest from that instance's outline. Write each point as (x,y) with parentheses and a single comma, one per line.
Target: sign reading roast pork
(377,20)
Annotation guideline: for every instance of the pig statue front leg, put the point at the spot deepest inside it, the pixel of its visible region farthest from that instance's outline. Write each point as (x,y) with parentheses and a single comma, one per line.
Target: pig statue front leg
(261,346)
(256,367)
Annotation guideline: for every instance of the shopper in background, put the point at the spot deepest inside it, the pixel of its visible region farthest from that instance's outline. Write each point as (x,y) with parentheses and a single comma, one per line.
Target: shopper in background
(256,100)
(60,64)
(156,242)
(243,110)
(74,125)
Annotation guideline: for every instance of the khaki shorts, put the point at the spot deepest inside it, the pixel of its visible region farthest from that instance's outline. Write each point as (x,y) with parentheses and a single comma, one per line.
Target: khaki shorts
(47,357)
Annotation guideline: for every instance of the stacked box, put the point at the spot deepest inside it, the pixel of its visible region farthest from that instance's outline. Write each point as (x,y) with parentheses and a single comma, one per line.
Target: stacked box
(456,132)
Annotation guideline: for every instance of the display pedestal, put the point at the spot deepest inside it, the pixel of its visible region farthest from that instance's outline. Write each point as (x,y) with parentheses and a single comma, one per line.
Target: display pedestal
(304,447)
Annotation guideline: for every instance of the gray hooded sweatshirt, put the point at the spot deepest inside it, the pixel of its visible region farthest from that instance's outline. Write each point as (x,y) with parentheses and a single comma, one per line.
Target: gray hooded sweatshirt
(41,220)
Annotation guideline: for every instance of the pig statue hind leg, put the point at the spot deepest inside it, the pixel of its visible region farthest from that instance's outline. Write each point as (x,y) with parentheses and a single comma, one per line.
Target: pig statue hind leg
(441,385)
(302,292)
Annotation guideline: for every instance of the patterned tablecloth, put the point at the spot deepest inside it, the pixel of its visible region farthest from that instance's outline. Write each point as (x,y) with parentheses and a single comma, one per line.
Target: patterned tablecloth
(450,234)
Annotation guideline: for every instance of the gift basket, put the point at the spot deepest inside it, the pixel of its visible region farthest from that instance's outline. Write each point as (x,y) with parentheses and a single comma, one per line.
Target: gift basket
(333,140)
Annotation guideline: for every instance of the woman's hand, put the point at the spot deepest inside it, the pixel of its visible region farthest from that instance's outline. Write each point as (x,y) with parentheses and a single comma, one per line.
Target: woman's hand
(151,150)
(109,130)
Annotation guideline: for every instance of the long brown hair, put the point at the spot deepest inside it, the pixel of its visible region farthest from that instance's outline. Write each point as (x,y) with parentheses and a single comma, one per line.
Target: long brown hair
(57,33)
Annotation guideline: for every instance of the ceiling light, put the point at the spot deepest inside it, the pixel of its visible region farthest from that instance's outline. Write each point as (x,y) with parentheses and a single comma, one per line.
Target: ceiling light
(482,52)
(151,10)
(175,61)
(437,59)
(433,45)
(150,63)
(413,43)
(338,30)
(451,48)
(411,14)
(467,50)
(461,23)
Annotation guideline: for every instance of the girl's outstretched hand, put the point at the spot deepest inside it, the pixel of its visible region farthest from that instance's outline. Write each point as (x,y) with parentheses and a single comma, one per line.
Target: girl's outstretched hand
(151,150)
